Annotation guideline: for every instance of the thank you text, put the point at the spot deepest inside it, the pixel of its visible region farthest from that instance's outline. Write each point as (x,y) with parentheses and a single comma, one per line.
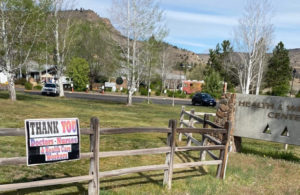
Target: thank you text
(52,140)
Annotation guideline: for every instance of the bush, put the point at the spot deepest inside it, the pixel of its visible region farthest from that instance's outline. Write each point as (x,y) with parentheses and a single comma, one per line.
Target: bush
(20,81)
(298,94)
(38,87)
(143,91)
(28,86)
(191,95)
(281,90)
(78,69)
(124,90)
(108,89)
(213,85)
(157,93)
(177,94)
(170,93)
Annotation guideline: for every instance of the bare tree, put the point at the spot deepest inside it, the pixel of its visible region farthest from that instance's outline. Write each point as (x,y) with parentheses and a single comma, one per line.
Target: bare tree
(166,64)
(138,20)
(61,30)
(253,37)
(20,22)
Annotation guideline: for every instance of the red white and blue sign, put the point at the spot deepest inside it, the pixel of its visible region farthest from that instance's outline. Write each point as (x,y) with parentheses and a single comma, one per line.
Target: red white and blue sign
(52,140)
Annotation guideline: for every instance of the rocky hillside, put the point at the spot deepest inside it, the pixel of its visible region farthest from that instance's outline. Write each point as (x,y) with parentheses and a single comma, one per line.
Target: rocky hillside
(176,54)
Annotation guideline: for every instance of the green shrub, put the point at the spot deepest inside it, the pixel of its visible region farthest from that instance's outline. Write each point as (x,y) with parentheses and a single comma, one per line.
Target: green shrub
(177,94)
(298,94)
(191,95)
(20,81)
(281,90)
(180,94)
(157,93)
(124,90)
(143,91)
(213,85)
(38,87)
(28,86)
(108,89)
(78,69)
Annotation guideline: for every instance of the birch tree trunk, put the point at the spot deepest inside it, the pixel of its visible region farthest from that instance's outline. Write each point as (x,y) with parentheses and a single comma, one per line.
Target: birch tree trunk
(8,67)
(138,20)
(11,87)
(253,36)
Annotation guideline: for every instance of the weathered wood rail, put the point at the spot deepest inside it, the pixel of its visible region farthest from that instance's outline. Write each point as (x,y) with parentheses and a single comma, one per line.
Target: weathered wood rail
(94,155)
(207,138)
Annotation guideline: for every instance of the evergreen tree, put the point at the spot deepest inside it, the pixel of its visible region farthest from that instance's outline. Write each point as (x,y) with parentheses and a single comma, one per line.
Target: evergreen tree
(219,61)
(279,71)
(214,61)
(213,84)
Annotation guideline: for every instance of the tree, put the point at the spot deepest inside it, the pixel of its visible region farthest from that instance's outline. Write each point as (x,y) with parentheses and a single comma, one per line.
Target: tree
(138,20)
(279,71)
(220,60)
(213,84)
(20,28)
(214,62)
(196,73)
(253,37)
(166,65)
(92,41)
(151,58)
(61,30)
(78,70)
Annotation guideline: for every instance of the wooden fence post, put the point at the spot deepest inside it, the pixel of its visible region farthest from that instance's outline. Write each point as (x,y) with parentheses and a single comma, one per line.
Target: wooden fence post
(191,121)
(181,124)
(167,162)
(224,153)
(169,173)
(204,139)
(94,161)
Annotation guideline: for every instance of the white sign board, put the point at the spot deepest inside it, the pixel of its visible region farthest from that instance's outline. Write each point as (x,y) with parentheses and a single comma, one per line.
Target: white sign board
(109,84)
(52,140)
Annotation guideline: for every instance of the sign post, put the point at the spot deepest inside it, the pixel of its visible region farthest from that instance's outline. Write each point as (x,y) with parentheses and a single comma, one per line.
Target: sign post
(52,140)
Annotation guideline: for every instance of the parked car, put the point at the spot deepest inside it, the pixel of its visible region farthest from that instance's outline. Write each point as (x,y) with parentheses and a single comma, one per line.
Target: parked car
(203,99)
(50,89)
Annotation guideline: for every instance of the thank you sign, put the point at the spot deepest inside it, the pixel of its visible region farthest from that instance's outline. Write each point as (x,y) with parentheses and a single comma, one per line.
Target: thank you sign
(268,118)
(52,140)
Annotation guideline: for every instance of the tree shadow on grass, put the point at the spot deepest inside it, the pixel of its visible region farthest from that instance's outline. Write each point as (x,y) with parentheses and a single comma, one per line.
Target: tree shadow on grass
(20,96)
(284,155)
(156,179)
(80,187)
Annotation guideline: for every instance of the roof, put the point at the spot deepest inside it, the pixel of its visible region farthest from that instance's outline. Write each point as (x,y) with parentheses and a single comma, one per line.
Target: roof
(172,76)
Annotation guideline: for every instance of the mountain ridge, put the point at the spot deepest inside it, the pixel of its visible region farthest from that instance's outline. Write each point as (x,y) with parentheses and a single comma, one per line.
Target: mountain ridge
(177,54)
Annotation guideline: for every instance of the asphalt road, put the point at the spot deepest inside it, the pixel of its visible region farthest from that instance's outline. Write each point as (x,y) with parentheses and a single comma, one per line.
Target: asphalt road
(118,98)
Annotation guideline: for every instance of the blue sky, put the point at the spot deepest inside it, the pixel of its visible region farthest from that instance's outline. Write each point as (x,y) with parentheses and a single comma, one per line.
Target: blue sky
(198,25)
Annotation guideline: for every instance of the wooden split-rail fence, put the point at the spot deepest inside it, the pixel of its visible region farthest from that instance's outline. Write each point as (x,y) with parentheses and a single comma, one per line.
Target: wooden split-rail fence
(94,155)
(188,119)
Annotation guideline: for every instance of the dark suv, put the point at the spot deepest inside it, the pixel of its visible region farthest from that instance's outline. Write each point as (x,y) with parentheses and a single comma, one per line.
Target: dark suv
(203,99)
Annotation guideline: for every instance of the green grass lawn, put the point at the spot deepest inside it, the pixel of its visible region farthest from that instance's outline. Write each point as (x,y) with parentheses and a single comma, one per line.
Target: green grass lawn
(261,168)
